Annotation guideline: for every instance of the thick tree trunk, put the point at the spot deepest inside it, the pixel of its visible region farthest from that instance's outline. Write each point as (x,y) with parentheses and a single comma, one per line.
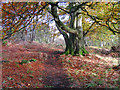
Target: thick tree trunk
(76,47)
(74,41)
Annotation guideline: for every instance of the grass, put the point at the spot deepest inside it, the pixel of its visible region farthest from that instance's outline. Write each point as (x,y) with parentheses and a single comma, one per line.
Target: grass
(30,71)
(24,76)
(32,60)
(4,42)
(46,86)
(4,81)
(91,85)
(17,64)
(24,61)
(31,76)
(10,78)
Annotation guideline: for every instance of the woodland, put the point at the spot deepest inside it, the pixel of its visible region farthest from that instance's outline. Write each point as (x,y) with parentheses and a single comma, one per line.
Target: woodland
(60,45)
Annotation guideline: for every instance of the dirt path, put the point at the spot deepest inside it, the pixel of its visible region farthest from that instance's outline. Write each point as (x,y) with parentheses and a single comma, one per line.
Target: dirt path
(55,76)
(51,70)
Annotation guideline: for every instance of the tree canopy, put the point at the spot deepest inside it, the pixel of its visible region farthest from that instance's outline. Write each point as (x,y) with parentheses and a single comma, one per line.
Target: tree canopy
(85,18)
(18,15)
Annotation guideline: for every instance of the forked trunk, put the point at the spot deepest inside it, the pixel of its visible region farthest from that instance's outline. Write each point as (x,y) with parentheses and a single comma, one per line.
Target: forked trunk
(75,43)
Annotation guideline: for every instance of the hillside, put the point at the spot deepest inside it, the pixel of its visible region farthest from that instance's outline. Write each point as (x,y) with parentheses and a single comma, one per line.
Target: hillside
(35,65)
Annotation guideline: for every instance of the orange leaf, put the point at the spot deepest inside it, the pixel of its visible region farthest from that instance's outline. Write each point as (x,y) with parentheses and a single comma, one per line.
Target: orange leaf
(43,3)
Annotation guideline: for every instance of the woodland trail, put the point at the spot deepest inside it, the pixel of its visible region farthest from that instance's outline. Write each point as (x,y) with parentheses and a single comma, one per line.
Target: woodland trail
(55,75)
(53,70)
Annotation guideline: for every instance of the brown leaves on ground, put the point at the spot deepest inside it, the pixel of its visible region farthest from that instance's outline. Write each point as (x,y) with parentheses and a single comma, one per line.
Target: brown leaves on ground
(51,69)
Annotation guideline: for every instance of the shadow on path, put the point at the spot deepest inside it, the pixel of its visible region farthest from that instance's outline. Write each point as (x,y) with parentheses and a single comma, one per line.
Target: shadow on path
(55,76)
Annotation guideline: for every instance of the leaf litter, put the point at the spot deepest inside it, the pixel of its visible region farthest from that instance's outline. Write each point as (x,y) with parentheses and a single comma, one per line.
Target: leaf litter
(50,69)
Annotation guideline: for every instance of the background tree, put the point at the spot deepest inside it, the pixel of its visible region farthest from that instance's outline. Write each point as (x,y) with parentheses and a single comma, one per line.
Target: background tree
(14,17)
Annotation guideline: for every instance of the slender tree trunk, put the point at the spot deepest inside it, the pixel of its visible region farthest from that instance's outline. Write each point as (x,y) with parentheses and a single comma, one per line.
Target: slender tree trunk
(119,39)
(22,35)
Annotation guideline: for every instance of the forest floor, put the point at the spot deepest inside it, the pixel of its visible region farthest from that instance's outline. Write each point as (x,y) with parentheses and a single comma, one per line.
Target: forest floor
(51,69)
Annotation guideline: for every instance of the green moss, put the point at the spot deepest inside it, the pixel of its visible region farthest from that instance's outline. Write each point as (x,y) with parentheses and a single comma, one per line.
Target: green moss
(32,60)
(4,42)
(72,52)
(67,52)
(24,61)
(83,51)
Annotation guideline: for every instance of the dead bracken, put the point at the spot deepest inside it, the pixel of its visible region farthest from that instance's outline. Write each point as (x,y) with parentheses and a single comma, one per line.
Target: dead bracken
(49,68)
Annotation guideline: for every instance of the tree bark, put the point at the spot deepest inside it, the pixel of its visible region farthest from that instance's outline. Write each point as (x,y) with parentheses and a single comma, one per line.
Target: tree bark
(74,41)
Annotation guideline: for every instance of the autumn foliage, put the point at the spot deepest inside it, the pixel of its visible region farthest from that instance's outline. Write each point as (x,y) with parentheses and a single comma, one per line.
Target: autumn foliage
(37,65)
(18,15)
(49,69)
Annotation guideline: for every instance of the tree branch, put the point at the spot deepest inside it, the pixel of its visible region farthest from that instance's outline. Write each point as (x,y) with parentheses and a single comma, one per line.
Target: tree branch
(63,9)
(42,8)
(19,11)
(111,28)
(93,18)
(84,34)
(9,35)
(79,6)
(57,20)
(114,27)
(61,31)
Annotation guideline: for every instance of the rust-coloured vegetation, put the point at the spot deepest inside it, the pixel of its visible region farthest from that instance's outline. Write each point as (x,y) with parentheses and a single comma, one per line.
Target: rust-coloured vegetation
(48,68)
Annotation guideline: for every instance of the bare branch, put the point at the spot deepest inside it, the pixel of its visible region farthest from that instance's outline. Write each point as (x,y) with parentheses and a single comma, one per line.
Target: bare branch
(57,20)
(88,29)
(63,9)
(98,22)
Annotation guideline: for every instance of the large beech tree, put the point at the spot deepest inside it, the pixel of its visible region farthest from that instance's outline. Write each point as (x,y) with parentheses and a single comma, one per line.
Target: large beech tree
(75,40)
(15,15)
